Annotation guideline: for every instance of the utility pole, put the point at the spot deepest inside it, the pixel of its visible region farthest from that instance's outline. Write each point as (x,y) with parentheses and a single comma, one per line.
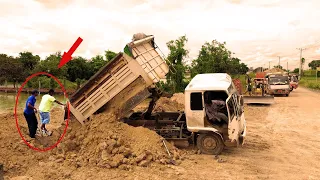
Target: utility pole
(279,62)
(300,60)
(287,65)
(269,64)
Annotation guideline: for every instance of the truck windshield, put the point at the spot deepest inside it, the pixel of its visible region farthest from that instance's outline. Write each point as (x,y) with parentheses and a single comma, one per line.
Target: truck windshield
(279,80)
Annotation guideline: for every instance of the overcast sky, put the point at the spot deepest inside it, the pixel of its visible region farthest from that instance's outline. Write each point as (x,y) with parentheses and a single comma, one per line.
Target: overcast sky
(257,31)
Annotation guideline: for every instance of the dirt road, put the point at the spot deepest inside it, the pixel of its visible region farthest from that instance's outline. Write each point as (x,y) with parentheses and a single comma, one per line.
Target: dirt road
(283,142)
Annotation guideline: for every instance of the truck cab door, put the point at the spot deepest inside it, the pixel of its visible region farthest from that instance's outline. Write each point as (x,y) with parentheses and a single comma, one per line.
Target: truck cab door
(195,117)
(234,119)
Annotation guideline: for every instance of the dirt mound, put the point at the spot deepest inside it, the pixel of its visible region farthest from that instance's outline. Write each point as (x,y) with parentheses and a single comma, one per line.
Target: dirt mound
(273,70)
(178,97)
(165,104)
(108,143)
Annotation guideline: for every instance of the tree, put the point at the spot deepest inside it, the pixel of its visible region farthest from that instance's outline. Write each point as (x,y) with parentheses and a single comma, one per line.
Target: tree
(79,68)
(97,62)
(296,70)
(314,64)
(243,68)
(11,69)
(176,56)
(110,55)
(28,60)
(214,57)
(50,65)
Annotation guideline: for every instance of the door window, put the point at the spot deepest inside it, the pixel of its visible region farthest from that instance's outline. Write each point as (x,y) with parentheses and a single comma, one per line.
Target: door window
(196,101)
(231,107)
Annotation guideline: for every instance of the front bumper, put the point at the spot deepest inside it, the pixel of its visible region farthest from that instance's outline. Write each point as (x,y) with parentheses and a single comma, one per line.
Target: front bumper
(279,91)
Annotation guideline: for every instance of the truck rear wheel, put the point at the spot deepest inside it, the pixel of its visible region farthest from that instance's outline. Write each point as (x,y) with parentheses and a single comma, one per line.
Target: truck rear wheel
(210,143)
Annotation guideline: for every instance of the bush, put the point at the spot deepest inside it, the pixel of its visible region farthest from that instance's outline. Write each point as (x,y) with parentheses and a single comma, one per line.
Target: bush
(310,83)
(48,82)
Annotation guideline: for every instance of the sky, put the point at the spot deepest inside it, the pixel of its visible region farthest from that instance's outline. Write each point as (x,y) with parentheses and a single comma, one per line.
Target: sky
(257,31)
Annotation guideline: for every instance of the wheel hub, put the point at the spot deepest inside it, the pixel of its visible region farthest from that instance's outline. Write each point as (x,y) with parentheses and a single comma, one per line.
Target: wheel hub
(209,143)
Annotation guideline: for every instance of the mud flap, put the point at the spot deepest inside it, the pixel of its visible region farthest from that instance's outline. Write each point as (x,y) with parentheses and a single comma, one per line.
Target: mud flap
(258,99)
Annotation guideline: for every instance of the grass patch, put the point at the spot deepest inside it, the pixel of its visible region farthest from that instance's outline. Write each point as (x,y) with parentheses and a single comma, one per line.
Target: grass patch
(310,82)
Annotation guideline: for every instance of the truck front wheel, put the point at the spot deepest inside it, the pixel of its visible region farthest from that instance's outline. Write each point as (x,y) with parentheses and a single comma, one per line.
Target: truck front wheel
(210,143)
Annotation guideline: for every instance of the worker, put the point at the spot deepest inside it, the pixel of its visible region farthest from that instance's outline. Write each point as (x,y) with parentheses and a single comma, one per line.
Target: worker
(214,107)
(45,108)
(29,113)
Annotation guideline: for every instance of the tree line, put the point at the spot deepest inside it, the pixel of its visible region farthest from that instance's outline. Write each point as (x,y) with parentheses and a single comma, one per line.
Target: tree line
(79,69)
(213,57)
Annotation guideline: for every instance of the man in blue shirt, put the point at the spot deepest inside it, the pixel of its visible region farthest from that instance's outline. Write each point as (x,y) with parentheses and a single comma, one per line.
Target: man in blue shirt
(29,113)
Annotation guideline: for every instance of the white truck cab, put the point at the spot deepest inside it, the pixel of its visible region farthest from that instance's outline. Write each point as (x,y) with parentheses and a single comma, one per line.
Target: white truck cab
(213,136)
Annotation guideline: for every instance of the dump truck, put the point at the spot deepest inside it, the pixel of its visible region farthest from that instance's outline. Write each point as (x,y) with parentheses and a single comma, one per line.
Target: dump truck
(278,83)
(131,77)
(192,125)
(257,90)
(130,73)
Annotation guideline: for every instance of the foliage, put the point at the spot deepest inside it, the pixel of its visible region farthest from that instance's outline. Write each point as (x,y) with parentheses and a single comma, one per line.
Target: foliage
(48,82)
(28,60)
(110,55)
(177,54)
(314,64)
(11,69)
(296,70)
(310,82)
(310,73)
(79,67)
(97,62)
(214,57)
(50,65)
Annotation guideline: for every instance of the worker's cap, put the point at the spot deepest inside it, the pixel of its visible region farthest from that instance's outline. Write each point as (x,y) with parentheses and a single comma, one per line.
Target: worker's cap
(35,91)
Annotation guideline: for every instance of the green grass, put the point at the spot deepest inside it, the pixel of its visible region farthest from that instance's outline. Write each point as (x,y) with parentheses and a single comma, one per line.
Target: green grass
(310,82)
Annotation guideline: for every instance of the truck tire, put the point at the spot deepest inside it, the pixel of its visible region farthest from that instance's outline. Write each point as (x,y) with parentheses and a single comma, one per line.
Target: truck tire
(287,95)
(210,143)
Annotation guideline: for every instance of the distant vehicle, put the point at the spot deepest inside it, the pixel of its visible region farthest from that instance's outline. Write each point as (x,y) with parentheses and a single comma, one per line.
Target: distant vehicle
(294,82)
(278,83)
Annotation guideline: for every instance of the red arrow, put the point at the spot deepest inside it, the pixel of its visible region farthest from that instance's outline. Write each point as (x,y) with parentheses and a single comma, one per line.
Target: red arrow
(67,56)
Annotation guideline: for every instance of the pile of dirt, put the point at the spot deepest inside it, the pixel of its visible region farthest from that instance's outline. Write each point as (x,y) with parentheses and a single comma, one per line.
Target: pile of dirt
(165,104)
(106,142)
(273,70)
(178,97)
(175,103)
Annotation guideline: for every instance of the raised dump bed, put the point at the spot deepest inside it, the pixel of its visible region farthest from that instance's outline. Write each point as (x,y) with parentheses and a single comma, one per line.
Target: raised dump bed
(122,83)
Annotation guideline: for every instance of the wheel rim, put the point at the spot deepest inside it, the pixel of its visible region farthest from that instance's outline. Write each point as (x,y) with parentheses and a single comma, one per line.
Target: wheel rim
(209,143)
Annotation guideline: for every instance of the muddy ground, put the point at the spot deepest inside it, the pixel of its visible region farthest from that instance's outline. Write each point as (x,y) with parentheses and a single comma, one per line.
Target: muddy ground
(282,143)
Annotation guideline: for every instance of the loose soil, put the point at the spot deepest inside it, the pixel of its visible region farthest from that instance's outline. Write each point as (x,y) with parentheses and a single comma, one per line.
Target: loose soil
(282,143)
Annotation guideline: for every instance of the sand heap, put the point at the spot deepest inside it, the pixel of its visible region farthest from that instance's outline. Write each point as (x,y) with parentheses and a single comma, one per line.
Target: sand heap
(178,97)
(273,70)
(108,143)
(175,103)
